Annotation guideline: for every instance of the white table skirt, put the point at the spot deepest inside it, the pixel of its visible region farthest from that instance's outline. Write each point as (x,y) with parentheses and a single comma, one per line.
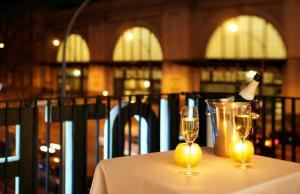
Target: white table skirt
(158,173)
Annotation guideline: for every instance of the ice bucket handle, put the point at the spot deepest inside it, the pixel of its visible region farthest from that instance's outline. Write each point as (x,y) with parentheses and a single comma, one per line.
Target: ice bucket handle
(254,116)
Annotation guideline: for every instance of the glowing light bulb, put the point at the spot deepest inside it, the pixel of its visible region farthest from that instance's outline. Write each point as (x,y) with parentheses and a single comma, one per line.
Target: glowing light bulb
(105,93)
(2,45)
(232,27)
(56,160)
(55,146)
(45,148)
(76,72)
(129,36)
(147,84)
(55,42)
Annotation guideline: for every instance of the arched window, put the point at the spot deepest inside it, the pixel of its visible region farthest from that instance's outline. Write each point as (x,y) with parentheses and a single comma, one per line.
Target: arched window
(246,37)
(77,50)
(137,44)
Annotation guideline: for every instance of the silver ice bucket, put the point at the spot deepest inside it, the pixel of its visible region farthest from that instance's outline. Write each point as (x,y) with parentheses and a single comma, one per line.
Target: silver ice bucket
(220,125)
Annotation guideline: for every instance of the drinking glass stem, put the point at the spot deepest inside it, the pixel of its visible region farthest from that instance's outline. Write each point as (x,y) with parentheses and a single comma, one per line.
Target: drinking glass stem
(189,168)
(243,164)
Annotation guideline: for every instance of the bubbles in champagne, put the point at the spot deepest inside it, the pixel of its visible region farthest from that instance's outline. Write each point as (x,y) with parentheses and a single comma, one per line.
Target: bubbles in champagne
(189,129)
(243,125)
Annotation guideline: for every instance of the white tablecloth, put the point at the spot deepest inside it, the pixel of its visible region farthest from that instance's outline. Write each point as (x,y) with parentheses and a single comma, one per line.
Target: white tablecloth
(158,173)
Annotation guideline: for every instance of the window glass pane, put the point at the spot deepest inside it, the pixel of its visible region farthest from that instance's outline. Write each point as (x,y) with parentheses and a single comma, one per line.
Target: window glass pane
(245,37)
(76,51)
(118,73)
(137,44)
(156,74)
(234,80)
(205,75)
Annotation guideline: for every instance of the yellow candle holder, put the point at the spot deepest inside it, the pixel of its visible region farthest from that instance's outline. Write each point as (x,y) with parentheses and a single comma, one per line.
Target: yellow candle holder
(181,154)
(236,148)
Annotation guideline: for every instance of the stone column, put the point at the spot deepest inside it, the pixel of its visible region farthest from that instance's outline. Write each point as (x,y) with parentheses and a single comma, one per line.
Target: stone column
(291,17)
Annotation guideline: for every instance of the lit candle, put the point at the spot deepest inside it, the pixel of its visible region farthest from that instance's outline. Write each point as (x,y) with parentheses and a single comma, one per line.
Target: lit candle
(182,154)
(236,148)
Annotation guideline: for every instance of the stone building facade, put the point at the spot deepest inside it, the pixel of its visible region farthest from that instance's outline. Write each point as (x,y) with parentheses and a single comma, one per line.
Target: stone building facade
(183,28)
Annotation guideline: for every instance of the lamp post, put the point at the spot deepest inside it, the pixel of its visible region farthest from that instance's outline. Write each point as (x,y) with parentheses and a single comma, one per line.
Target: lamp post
(69,28)
(67,184)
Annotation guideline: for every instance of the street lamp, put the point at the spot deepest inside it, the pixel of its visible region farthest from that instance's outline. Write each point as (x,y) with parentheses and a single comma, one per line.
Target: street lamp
(55,42)
(67,128)
(2,45)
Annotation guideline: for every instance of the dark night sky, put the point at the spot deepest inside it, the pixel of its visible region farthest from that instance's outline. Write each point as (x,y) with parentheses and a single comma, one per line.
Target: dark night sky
(52,4)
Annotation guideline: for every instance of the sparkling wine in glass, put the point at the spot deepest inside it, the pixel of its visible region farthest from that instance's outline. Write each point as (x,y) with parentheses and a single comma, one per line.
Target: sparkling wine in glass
(189,130)
(243,125)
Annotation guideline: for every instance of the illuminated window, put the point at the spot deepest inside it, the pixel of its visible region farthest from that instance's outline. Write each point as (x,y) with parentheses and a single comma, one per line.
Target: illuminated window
(137,44)
(246,37)
(77,50)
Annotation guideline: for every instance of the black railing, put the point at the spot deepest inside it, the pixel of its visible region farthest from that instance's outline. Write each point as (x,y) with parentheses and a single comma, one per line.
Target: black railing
(57,142)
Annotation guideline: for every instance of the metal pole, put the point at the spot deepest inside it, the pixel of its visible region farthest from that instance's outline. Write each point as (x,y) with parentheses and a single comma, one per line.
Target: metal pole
(70,25)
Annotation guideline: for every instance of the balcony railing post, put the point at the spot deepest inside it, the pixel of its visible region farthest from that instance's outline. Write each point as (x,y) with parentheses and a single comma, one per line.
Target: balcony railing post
(263,126)
(28,164)
(273,127)
(293,126)
(283,130)
(174,119)
(201,140)
(79,151)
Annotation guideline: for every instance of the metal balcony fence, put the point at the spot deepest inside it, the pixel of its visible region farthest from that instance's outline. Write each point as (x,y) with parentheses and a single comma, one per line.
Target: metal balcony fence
(53,145)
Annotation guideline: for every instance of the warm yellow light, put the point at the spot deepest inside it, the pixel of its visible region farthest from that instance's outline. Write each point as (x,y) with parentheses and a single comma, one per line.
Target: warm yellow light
(44,149)
(268,143)
(55,146)
(74,53)
(76,72)
(246,33)
(2,45)
(105,93)
(129,36)
(232,27)
(147,84)
(236,148)
(182,154)
(142,40)
(68,87)
(56,160)
(55,42)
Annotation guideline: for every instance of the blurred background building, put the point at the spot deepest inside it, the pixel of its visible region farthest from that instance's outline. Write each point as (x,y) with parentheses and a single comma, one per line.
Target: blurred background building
(137,46)
(128,47)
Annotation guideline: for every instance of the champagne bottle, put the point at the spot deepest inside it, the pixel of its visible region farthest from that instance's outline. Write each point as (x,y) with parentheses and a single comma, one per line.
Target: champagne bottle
(247,94)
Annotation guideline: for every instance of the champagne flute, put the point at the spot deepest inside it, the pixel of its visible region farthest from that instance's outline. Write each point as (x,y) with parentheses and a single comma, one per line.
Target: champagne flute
(243,125)
(189,130)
